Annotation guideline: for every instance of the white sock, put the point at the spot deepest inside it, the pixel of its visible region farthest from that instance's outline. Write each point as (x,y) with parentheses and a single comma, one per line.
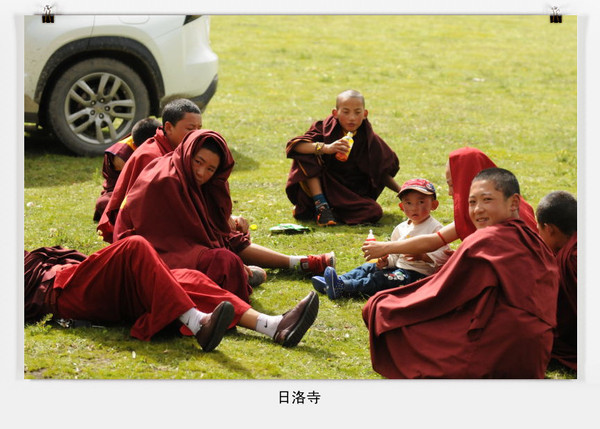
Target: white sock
(295,261)
(192,319)
(268,324)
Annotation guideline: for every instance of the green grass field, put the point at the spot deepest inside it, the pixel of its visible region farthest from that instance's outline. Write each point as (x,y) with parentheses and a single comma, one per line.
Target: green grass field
(432,85)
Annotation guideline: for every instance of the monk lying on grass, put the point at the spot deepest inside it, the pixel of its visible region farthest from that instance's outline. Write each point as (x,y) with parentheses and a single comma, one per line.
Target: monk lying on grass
(128,282)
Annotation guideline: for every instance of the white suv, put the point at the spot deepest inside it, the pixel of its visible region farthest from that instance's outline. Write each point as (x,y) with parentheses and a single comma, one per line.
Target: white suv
(89,79)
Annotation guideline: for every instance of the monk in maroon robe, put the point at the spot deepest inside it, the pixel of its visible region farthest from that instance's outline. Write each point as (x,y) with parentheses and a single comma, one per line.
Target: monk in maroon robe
(128,282)
(124,282)
(557,225)
(179,116)
(121,150)
(565,341)
(464,164)
(488,313)
(187,224)
(155,147)
(117,155)
(350,188)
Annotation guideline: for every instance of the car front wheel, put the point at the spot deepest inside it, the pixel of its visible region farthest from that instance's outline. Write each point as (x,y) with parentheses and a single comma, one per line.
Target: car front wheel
(95,103)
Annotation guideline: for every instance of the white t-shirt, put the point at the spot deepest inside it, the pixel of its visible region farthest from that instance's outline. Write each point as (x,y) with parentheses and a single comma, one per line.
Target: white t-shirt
(408,229)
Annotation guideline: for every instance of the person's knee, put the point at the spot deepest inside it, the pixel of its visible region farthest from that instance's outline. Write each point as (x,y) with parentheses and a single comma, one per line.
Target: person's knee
(226,258)
(136,243)
(376,213)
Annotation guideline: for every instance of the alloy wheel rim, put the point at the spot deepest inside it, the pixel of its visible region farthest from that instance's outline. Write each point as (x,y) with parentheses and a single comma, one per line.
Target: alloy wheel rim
(100,108)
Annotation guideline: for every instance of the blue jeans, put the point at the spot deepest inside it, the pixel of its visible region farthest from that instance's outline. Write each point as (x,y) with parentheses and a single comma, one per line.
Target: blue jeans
(367,279)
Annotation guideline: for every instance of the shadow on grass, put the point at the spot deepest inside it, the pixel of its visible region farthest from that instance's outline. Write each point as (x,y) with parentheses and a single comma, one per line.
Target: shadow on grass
(390,219)
(39,142)
(243,162)
(48,163)
(168,350)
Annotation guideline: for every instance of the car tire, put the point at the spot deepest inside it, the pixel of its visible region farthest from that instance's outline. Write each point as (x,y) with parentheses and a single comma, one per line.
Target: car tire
(95,103)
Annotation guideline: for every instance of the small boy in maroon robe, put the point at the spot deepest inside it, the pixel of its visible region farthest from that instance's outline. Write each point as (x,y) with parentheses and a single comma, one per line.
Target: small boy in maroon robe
(117,155)
(331,180)
(557,224)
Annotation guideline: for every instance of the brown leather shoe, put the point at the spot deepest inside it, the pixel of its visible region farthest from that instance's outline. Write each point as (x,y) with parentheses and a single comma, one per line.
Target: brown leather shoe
(211,333)
(296,322)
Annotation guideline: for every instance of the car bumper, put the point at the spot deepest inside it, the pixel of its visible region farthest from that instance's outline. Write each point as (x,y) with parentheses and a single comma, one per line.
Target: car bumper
(200,100)
(203,99)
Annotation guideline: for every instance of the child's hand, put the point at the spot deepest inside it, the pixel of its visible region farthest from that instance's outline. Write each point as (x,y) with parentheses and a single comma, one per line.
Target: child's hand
(382,262)
(238,223)
(421,257)
(340,145)
(374,249)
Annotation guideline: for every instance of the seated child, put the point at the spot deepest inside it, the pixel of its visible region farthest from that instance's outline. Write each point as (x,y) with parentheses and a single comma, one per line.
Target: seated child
(557,224)
(418,199)
(489,312)
(117,155)
(330,190)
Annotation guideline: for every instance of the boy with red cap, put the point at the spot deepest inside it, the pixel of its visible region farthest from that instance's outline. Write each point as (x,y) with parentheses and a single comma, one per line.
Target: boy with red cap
(418,199)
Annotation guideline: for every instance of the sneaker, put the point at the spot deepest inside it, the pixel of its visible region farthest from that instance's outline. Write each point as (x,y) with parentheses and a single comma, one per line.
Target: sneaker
(259,276)
(316,264)
(325,217)
(319,284)
(335,286)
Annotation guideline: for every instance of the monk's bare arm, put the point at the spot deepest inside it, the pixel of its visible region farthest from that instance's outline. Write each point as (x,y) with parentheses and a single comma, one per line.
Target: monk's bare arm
(391,183)
(118,163)
(317,148)
(415,245)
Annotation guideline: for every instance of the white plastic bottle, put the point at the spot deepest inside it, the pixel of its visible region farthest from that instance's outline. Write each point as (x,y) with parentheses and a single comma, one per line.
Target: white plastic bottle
(371,237)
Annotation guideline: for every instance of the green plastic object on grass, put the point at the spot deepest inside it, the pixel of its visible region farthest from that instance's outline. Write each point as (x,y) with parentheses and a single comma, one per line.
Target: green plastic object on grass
(289,228)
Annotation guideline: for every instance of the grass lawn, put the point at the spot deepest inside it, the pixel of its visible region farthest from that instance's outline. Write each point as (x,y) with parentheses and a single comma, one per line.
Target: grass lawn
(431,84)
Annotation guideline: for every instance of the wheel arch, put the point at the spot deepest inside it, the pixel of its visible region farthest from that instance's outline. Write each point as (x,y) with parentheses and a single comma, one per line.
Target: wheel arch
(130,52)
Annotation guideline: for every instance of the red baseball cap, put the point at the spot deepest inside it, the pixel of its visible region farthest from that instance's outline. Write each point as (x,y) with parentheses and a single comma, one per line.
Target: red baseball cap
(420,185)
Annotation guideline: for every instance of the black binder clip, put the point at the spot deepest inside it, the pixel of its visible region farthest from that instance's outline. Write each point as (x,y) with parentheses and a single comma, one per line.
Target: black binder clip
(47,17)
(555,17)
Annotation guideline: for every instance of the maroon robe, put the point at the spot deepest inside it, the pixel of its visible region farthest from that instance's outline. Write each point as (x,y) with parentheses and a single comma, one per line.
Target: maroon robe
(465,164)
(123,149)
(352,187)
(565,339)
(488,313)
(39,278)
(188,225)
(153,148)
(124,282)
